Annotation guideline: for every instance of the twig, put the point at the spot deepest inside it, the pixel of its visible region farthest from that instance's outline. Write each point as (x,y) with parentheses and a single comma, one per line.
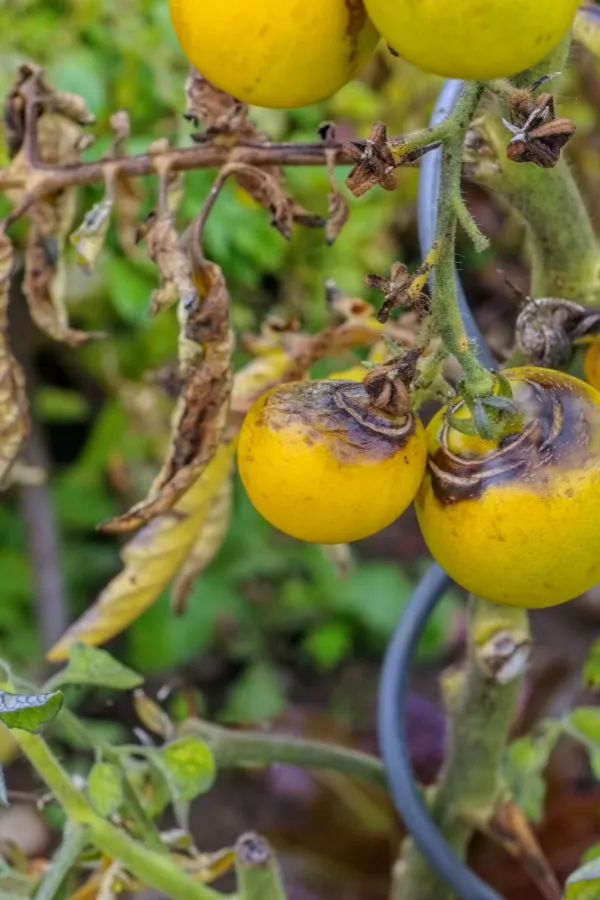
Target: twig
(250,748)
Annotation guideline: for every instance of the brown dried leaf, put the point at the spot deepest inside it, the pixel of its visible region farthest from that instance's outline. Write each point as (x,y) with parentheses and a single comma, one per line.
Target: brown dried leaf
(212,533)
(13,397)
(373,163)
(174,269)
(219,112)
(44,284)
(201,412)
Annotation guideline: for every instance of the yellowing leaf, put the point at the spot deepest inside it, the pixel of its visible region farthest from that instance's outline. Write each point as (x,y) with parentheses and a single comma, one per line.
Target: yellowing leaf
(209,540)
(151,559)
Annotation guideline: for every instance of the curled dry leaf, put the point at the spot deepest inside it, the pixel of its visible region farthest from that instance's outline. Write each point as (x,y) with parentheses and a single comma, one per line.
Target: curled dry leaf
(201,412)
(174,268)
(225,120)
(13,398)
(46,126)
(339,211)
(153,557)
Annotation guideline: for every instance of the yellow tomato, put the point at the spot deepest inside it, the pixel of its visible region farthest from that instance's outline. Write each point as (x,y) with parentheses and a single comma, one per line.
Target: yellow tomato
(591,363)
(473,39)
(518,522)
(352,373)
(320,464)
(272,52)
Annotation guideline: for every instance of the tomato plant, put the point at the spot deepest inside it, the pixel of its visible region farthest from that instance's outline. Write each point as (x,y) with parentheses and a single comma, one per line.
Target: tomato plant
(208,329)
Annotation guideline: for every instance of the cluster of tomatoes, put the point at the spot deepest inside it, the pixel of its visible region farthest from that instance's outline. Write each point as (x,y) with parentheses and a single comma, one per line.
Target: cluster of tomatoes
(288,53)
(514,520)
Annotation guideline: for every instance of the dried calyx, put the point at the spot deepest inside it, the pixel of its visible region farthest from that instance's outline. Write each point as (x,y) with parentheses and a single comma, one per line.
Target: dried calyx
(547,327)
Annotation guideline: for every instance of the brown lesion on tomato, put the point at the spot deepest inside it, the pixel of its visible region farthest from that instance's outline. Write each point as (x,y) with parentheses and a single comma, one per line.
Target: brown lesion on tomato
(357,18)
(555,437)
(339,414)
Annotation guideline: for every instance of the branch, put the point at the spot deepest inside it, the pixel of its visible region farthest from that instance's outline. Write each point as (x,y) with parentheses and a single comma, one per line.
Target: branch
(481,702)
(52,179)
(250,748)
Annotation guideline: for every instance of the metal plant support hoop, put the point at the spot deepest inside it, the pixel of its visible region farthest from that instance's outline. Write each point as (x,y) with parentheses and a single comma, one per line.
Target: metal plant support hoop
(393,739)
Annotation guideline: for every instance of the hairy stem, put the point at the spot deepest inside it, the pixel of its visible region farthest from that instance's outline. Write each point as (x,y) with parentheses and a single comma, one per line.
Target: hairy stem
(481,702)
(446,312)
(252,748)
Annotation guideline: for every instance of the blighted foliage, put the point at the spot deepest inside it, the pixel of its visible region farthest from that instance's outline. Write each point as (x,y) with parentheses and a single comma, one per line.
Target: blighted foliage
(13,401)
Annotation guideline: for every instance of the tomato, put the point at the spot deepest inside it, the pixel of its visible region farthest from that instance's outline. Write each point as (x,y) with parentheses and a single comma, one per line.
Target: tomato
(591,363)
(516,521)
(352,373)
(324,466)
(274,53)
(473,39)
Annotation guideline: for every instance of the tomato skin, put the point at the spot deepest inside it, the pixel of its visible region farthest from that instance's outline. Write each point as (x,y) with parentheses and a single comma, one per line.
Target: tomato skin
(472,39)
(518,523)
(319,473)
(274,53)
(591,363)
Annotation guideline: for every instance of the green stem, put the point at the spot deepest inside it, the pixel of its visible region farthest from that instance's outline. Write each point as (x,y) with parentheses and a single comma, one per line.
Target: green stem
(257,870)
(252,748)
(77,732)
(157,871)
(63,861)
(478,381)
(481,702)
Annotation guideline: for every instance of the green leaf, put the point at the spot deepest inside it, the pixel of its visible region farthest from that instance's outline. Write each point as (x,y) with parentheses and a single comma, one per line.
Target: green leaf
(89,665)
(255,697)
(526,760)
(584,883)
(188,767)
(105,788)
(329,644)
(586,721)
(590,675)
(29,711)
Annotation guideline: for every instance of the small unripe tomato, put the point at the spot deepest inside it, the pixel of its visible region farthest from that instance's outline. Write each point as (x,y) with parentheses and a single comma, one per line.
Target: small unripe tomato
(275,53)
(472,39)
(516,521)
(591,363)
(322,464)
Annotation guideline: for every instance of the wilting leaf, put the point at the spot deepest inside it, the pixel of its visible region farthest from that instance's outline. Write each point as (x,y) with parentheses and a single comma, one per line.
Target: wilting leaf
(89,238)
(174,269)
(188,767)
(29,711)
(105,788)
(152,716)
(338,208)
(13,397)
(150,559)
(89,665)
(226,119)
(213,529)
(201,412)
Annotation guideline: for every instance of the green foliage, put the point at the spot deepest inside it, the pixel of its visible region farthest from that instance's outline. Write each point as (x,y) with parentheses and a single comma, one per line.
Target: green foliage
(92,666)
(105,788)
(187,766)
(584,884)
(526,761)
(29,711)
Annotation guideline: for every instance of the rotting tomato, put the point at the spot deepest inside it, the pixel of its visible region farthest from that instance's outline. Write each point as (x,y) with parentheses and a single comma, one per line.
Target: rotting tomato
(516,521)
(272,53)
(473,39)
(323,465)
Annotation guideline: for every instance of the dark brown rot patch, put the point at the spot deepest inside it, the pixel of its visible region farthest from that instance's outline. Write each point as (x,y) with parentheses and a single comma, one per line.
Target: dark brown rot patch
(340,414)
(555,435)
(357,18)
